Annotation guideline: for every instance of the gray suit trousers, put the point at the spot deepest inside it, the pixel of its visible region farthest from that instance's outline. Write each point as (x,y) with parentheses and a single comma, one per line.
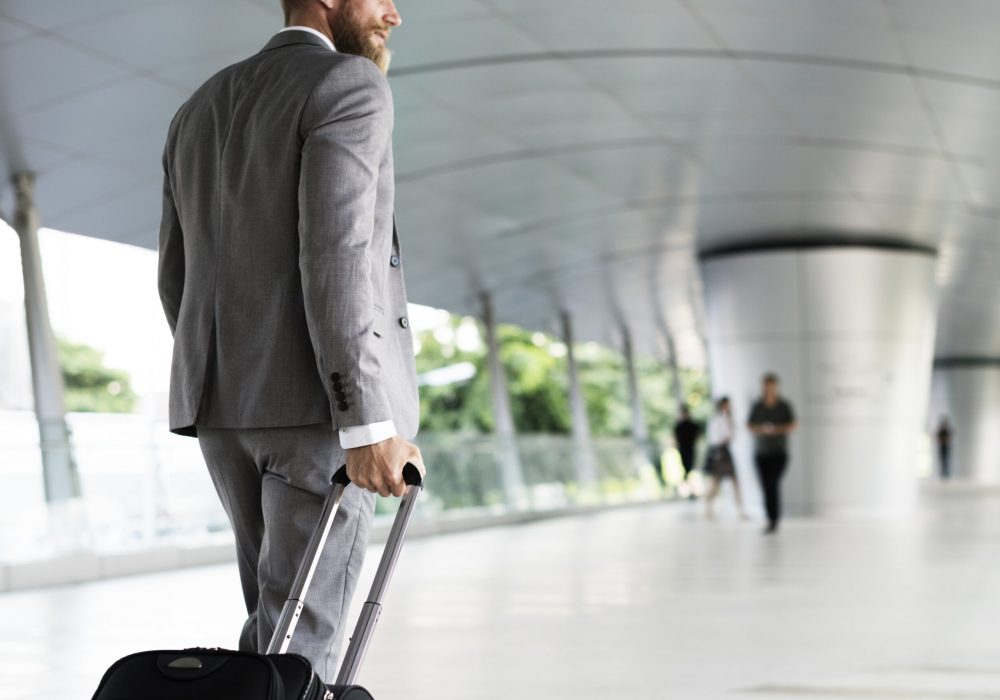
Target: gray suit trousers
(272,483)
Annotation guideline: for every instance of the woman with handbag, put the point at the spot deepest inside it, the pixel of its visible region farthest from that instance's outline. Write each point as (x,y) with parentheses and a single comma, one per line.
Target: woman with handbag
(719,460)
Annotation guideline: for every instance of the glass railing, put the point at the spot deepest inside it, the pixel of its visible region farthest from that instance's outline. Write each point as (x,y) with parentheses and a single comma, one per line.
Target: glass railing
(143,487)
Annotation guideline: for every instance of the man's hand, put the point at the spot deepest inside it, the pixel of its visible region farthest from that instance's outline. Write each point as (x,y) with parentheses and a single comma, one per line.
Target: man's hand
(379,467)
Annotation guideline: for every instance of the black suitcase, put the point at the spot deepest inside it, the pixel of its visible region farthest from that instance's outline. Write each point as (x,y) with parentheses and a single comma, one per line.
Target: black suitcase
(219,674)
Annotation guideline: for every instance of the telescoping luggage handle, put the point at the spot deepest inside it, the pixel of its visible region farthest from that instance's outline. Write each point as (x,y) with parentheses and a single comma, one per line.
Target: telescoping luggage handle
(369,614)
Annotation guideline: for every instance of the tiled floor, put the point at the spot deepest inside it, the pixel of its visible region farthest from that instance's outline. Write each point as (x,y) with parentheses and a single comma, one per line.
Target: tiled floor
(646,602)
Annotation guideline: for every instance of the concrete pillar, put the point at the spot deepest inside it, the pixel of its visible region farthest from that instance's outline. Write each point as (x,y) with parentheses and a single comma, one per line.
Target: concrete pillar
(849,328)
(967,391)
(675,374)
(643,454)
(59,470)
(640,431)
(585,465)
(503,420)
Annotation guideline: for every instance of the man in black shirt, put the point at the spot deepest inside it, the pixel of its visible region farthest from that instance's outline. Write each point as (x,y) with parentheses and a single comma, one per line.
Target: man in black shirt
(944,446)
(686,433)
(771,421)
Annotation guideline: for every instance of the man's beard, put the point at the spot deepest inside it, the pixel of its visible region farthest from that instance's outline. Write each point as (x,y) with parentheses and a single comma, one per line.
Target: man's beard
(355,36)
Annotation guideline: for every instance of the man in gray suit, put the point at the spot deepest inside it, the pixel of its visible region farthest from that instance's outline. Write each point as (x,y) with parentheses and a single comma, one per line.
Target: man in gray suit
(281,280)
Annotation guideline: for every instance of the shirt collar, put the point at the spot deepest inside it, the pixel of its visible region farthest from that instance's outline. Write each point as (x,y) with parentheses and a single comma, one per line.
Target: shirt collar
(321,35)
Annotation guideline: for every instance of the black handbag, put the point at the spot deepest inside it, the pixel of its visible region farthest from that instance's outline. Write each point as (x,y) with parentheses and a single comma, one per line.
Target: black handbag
(718,461)
(219,674)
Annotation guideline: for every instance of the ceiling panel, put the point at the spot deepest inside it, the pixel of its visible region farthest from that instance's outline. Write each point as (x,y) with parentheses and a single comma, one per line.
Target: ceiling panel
(596,26)
(192,71)
(818,12)
(49,15)
(530,189)
(12,31)
(770,166)
(852,35)
(111,218)
(921,221)
(470,34)
(70,187)
(957,57)
(57,72)
(16,156)
(962,20)
(157,34)
(101,123)
(638,169)
(572,153)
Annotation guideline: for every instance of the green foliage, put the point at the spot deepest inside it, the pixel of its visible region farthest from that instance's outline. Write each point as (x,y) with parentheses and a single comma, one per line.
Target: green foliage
(605,390)
(537,381)
(462,407)
(90,386)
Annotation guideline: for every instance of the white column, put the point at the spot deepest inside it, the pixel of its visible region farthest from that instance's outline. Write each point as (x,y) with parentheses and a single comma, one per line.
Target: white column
(640,431)
(967,391)
(59,470)
(503,420)
(586,467)
(850,330)
(675,374)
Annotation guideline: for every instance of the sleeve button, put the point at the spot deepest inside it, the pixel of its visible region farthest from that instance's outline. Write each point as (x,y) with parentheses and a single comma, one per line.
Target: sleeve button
(404,322)
(394,261)
(342,405)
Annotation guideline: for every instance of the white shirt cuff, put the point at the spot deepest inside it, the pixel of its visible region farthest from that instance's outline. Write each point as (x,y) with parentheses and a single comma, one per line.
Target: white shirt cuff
(361,435)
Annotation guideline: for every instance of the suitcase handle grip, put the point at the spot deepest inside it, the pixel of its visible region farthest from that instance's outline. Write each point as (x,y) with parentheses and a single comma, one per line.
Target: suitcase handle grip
(411,476)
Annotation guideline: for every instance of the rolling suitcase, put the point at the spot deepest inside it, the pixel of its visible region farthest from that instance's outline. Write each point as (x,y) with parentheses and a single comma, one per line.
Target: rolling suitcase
(217,674)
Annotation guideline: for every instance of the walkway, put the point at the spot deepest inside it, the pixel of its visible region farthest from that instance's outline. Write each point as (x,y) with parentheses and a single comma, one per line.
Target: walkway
(645,602)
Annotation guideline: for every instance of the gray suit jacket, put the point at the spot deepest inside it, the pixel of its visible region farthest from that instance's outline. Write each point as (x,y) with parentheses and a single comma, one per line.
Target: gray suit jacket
(279,265)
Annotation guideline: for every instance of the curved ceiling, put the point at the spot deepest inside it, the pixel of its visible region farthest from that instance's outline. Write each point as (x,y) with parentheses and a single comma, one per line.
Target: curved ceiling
(574,154)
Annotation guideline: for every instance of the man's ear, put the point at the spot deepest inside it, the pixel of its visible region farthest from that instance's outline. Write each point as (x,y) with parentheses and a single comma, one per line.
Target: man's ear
(329,4)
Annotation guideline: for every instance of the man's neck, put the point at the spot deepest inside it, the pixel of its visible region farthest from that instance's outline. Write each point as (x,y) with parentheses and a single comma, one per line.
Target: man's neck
(312,23)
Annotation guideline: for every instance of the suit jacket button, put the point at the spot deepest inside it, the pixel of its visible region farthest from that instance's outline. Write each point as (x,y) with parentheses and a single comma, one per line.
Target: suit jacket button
(394,261)
(342,405)
(404,322)
(335,376)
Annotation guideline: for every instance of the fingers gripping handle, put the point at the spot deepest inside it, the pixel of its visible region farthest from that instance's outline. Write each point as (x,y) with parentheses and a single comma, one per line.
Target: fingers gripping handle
(411,476)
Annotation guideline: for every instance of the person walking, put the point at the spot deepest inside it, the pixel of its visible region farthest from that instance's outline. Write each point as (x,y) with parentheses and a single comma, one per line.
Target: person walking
(280,278)
(719,460)
(944,437)
(771,421)
(686,434)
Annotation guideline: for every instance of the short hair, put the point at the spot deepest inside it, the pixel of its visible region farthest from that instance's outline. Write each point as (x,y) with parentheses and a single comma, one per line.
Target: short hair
(771,378)
(721,400)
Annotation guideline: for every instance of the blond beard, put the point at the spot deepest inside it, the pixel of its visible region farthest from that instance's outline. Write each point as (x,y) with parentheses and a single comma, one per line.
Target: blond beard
(382,59)
(353,37)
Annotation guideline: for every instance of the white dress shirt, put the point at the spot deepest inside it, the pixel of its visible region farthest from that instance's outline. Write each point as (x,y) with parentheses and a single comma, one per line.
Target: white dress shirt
(720,429)
(357,435)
